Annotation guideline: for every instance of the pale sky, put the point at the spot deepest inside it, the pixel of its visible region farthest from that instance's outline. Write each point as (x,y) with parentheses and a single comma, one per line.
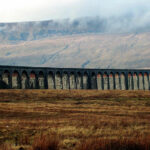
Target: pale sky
(36,10)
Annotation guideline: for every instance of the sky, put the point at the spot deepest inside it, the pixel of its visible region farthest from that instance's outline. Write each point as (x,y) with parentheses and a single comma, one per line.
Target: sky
(37,10)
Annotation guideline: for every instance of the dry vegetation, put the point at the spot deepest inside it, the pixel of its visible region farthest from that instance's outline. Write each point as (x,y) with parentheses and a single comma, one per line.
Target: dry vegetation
(74,120)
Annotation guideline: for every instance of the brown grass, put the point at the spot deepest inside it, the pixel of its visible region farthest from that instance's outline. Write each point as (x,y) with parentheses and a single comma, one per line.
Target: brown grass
(47,95)
(6,147)
(115,144)
(77,118)
(46,142)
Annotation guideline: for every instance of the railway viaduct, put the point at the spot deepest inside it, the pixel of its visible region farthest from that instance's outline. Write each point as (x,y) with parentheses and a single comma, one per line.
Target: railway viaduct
(18,77)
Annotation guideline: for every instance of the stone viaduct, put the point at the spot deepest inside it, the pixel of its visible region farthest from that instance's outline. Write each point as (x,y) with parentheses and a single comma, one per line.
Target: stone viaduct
(17,77)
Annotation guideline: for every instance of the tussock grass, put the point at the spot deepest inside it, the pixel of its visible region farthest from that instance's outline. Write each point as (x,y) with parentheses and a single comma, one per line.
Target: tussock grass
(77,117)
(46,142)
(6,146)
(115,144)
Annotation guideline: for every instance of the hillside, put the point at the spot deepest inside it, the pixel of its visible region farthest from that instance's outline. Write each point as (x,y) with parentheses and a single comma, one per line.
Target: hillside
(28,31)
(81,50)
(85,42)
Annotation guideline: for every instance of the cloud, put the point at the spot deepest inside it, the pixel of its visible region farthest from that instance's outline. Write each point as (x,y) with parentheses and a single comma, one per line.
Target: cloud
(108,15)
(27,10)
(31,10)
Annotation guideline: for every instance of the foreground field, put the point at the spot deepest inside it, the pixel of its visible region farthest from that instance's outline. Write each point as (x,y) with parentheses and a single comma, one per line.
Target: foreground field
(74,120)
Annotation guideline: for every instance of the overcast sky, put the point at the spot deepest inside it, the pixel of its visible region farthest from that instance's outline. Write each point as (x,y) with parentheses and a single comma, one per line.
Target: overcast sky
(36,10)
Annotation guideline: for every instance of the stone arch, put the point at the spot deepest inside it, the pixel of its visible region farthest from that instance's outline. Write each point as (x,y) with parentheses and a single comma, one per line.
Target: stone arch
(41,81)
(15,80)
(123,81)
(99,81)
(65,80)
(85,80)
(5,83)
(117,81)
(58,80)
(105,81)
(93,81)
(24,80)
(135,81)
(130,87)
(32,80)
(141,86)
(50,79)
(146,81)
(72,80)
(111,81)
(79,80)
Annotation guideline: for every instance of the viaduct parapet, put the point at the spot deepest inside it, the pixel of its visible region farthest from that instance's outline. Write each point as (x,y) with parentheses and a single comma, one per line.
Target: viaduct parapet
(17,77)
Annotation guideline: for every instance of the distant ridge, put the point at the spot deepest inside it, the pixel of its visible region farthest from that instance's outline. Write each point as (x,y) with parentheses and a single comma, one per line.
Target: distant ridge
(35,30)
(81,43)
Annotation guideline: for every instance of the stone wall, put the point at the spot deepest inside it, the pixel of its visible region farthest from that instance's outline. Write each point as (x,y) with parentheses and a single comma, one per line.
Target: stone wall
(12,77)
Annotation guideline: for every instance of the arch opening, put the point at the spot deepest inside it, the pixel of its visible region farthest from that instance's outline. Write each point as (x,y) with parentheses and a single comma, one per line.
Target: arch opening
(5,80)
(117,82)
(99,81)
(58,80)
(50,80)
(141,86)
(15,80)
(24,80)
(85,81)
(111,81)
(41,81)
(105,81)
(93,81)
(32,80)
(146,81)
(123,81)
(72,81)
(65,80)
(135,81)
(130,87)
(79,81)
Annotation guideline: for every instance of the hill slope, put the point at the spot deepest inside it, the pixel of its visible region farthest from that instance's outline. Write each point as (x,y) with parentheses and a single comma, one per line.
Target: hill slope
(81,50)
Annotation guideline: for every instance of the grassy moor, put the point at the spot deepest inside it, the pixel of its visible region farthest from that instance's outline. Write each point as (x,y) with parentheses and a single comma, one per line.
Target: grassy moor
(74,120)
